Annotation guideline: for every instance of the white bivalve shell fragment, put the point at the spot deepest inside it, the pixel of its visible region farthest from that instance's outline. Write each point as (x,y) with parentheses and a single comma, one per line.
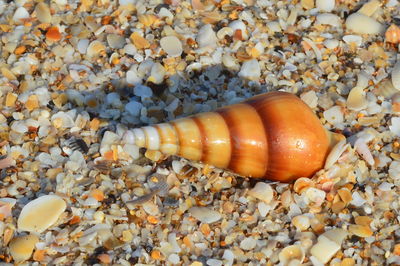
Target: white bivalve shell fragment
(335,153)
(206,38)
(357,100)
(171,45)
(396,76)
(250,70)
(325,5)
(291,255)
(21,247)
(328,244)
(363,24)
(262,191)
(362,148)
(41,213)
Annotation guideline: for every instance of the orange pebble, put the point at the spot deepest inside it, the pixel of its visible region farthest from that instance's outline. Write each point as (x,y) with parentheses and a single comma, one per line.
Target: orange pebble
(152,219)
(53,34)
(392,34)
(75,219)
(104,258)
(39,255)
(20,50)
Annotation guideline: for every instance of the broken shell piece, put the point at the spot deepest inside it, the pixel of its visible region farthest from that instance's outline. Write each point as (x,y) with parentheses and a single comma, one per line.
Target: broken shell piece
(301,222)
(262,191)
(362,149)
(335,153)
(291,253)
(238,25)
(396,76)
(369,8)
(363,24)
(41,213)
(171,45)
(21,247)
(325,5)
(325,249)
(392,34)
(95,48)
(356,100)
(43,12)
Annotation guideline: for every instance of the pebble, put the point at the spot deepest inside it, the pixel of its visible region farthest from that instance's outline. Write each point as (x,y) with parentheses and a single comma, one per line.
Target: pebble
(41,213)
(310,98)
(214,262)
(395,127)
(357,100)
(291,255)
(151,208)
(142,91)
(396,76)
(115,41)
(238,25)
(248,243)
(263,208)
(353,39)
(363,24)
(171,45)
(250,70)
(329,19)
(262,191)
(21,247)
(20,14)
(205,215)
(206,37)
(325,5)
(133,108)
(174,258)
(334,115)
(43,13)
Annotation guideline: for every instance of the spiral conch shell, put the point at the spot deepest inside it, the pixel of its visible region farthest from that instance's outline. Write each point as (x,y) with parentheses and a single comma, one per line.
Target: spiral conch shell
(273,135)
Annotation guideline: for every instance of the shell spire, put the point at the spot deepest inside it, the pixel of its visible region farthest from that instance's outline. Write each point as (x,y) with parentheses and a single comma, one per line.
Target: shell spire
(273,135)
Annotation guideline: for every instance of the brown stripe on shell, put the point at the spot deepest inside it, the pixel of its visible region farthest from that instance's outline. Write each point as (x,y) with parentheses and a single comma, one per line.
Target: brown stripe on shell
(203,140)
(249,150)
(165,138)
(178,136)
(189,139)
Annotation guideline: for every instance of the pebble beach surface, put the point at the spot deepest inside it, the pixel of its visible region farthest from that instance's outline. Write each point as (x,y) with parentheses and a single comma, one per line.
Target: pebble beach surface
(74,75)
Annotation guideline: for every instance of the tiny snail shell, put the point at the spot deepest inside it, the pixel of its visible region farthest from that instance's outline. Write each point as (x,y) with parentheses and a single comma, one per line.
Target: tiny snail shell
(275,136)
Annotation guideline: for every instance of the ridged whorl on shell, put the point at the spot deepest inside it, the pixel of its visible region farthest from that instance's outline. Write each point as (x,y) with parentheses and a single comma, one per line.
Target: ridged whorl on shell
(273,135)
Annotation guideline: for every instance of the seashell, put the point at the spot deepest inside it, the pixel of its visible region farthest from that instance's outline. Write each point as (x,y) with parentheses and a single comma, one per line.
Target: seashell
(329,19)
(273,135)
(41,213)
(370,8)
(363,24)
(386,89)
(21,247)
(349,39)
(250,70)
(206,37)
(357,100)
(335,153)
(361,147)
(392,34)
(325,249)
(95,48)
(148,20)
(238,25)
(291,253)
(43,13)
(396,76)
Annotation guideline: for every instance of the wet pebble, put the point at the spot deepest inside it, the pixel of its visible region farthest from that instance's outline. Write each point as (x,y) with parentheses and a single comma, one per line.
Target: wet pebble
(171,45)
(205,215)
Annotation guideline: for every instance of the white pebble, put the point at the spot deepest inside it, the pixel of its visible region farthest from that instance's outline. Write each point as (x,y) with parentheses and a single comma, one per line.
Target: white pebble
(396,76)
(325,5)
(19,127)
(329,19)
(239,25)
(385,186)
(301,222)
(205,215)
(20,14)
(262,191)
(150,208)
(250,70)
(171,45)
(207,37)
(363,24)
(349,39)
(248,243)
(357,200)
(331,43)
(325,249)
(174,258)
(310,98)
(263,208)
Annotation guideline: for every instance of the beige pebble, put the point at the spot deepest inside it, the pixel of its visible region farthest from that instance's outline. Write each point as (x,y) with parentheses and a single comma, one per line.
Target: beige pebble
(362,24)
(41,213)
(21,247)
(325,249)
(360,230)
(291,253)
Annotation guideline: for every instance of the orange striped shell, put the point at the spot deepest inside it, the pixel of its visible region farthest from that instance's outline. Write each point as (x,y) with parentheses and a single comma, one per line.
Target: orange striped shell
(273,135)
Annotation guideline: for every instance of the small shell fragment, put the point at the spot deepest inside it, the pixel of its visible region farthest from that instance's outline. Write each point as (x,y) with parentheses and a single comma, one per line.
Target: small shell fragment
(43,12)
(262,191)
(171,45)
(362,149)
(325,5)
(250,70)
(335,153)
(301,222)
(356,100)
(41,213)
(21,247)
(334,115)
(363,24)
(291,253)
(205,215)
(392,34)
(396,76)
(325,249)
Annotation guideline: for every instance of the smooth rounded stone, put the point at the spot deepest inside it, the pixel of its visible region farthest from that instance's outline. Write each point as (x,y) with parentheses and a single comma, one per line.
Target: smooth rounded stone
(301,222)
(21,247)
(214,262)
(130,49)
(325,5)
(114,100)
(334,115)
(352,39)
(329,19)
(43,13)
(171,45)
(262,191)
(248,243)
(205,215)
(83,45)
(250,70)
(291,253)
(157,74)
(142,91)
(133,108)
(325,249)
(396,76)
(20,14)
(116,41)
(363,24)
(41,213)
(206,37)
(174,258)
